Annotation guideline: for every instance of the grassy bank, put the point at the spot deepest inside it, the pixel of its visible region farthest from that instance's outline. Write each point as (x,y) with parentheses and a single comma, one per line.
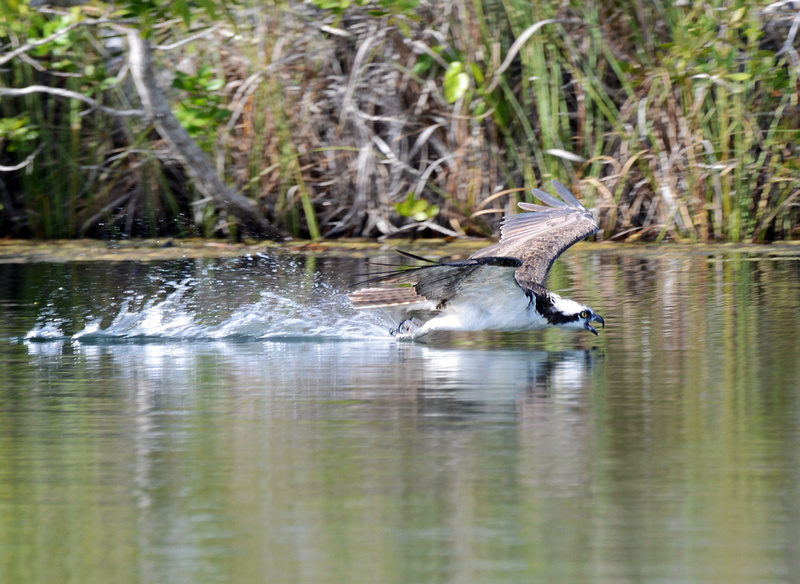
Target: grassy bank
(400,117)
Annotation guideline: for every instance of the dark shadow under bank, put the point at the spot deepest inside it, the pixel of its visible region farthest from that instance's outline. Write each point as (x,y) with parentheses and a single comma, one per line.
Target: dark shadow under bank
(20,251)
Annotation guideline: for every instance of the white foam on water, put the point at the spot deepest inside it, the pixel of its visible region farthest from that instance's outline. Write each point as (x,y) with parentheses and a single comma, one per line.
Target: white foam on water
(46,330)
(277,315)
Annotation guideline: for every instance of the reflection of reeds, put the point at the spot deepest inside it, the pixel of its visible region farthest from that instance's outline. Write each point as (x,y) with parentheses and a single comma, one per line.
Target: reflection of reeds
(676,122)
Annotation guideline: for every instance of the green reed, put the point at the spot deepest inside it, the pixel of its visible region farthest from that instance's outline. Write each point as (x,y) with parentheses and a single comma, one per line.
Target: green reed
(688,134)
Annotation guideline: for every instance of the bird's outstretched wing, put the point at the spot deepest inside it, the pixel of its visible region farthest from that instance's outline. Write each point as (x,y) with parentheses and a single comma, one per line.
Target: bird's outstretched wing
(528,246)
(537,238)
(436,283)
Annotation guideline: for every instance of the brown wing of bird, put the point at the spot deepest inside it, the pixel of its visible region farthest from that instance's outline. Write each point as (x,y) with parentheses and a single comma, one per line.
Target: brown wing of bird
(434,284)
(529,243)
(539,237)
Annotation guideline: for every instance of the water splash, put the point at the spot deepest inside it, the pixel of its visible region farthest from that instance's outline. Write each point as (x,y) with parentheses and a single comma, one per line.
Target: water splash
(325,313)
(46,330)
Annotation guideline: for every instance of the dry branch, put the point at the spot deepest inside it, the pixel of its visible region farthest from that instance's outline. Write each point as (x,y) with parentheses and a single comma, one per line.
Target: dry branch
(69,95)
(196,162)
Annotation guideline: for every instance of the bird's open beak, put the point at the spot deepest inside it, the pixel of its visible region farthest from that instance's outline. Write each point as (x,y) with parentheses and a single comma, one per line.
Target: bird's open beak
(596,318)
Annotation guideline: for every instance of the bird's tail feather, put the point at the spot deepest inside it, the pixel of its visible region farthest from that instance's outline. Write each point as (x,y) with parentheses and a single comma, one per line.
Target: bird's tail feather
(378,297)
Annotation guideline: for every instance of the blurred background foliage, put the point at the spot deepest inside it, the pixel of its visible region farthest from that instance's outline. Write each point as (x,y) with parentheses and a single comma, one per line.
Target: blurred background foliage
(371,118)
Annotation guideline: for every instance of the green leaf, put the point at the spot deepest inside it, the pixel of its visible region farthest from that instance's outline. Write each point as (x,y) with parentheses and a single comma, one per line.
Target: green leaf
(404,27)
(16,131)
(108,83)
(400,6)
(215,84)
(456,82)
(210,7)
(424,62)
(181,7)
(737,15)
(417,209)
(419,206)
(336,6)
(477,73)
(62,64)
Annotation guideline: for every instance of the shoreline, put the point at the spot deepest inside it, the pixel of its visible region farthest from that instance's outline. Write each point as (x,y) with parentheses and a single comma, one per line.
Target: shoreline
(163,249)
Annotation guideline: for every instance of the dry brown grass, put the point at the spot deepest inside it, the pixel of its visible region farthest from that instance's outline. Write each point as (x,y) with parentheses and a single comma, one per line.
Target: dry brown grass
(684,119)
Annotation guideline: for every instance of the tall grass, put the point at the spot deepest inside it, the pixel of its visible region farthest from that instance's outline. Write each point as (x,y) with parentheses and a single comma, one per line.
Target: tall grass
(671,121)
(687,133)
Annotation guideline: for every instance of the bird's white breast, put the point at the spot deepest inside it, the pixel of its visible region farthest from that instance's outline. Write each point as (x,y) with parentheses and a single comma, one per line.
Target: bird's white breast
(495,302)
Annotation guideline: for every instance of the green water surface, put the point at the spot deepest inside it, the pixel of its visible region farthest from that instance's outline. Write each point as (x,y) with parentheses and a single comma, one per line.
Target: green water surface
(302,444)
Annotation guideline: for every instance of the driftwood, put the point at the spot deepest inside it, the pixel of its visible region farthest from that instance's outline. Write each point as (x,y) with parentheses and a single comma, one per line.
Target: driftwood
(197,164)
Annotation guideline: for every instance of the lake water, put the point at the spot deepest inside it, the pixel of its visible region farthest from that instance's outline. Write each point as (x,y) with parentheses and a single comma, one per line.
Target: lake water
(233,420)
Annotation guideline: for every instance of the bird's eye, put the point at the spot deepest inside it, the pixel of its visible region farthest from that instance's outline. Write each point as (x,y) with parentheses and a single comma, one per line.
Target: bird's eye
(584,314)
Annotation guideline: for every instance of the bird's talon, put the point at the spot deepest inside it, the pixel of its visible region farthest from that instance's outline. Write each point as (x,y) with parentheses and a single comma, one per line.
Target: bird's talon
(407,329)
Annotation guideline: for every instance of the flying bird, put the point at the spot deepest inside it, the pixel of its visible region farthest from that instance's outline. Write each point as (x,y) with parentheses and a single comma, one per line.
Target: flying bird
(500,287)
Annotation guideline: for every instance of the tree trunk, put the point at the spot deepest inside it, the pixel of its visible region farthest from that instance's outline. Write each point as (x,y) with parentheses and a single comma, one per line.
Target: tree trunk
(198,165)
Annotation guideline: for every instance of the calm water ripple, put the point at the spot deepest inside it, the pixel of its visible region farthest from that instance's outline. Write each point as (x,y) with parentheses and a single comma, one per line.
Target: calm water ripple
(236,421)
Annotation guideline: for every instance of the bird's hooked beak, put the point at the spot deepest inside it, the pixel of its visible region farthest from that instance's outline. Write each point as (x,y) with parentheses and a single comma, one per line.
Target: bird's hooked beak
(594,318)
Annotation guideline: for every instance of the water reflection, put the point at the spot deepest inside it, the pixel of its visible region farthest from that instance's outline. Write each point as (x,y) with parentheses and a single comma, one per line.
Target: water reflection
(666,449)
(469,376)
(298,441)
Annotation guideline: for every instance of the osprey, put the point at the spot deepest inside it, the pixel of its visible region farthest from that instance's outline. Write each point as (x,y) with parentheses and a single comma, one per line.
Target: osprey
(500,287)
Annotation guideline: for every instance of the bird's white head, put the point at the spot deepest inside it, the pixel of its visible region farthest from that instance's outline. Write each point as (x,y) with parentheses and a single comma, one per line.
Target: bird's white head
(568,314)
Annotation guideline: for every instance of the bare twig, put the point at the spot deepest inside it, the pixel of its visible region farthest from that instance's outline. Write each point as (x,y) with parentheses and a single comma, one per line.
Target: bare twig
(69,95)
(24,163)
(787,46)
(351,85)
(420,226)
(187,40)
(33,44)
(105,211)
(424,48)
(196,163)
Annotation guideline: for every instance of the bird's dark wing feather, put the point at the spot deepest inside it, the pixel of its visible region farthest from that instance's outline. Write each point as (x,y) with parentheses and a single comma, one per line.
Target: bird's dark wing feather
(434,283)
(539,237)
(528,246)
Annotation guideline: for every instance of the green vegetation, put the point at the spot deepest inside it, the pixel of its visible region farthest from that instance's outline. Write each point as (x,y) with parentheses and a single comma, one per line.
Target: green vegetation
(201,112)
(369,118)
